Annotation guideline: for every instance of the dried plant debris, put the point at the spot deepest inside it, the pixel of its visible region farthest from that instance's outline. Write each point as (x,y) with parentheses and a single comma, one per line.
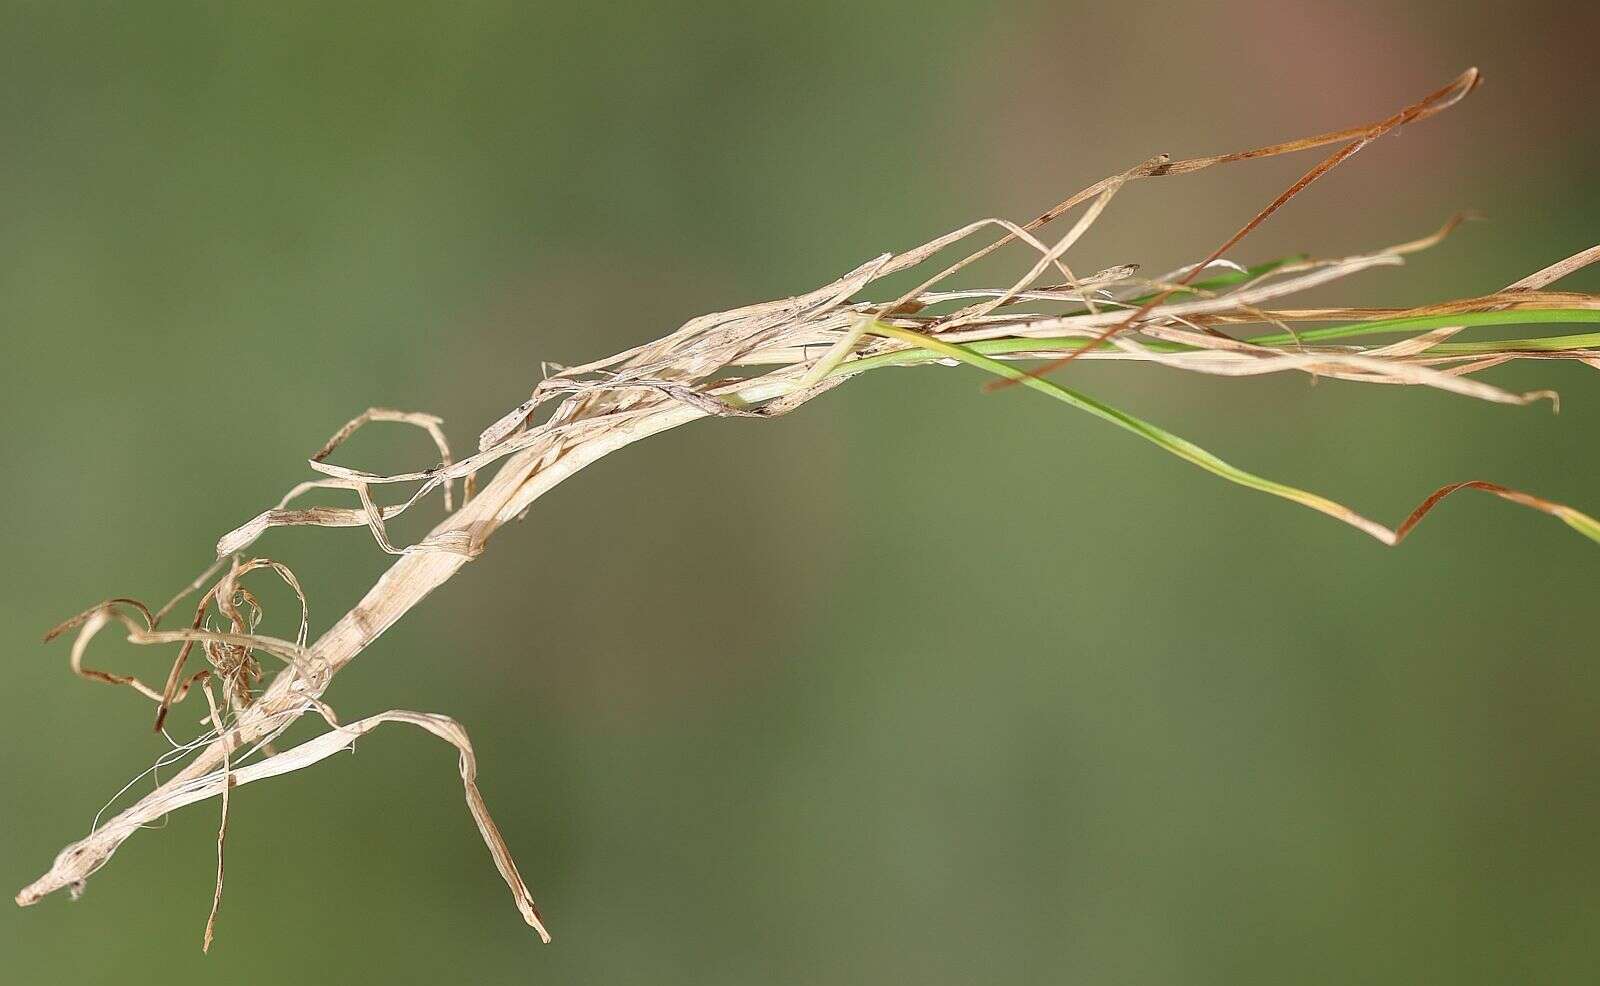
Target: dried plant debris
(1211,317)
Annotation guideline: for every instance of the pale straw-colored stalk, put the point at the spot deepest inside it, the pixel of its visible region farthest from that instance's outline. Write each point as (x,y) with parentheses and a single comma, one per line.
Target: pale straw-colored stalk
(769,359)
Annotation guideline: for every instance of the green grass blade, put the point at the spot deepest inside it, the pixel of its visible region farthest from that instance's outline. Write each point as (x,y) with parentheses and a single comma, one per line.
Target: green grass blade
(1003,347)
(1226,279)
(1542,344)
(1180,447)
(1422,323)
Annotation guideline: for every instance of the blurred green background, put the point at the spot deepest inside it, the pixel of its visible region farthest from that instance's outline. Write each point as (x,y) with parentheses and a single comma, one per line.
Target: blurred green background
(917,685)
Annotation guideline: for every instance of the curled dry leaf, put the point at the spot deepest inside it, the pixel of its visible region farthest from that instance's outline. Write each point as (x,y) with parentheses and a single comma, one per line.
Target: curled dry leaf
(770,358)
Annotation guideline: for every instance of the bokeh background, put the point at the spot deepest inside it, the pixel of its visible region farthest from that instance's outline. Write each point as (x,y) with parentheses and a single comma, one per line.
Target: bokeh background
(920,684)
